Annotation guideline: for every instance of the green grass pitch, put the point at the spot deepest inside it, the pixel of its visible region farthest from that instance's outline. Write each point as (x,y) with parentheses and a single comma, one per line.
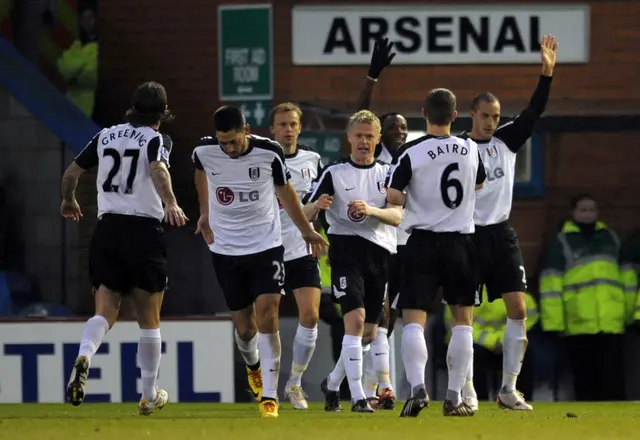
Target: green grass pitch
(180,421)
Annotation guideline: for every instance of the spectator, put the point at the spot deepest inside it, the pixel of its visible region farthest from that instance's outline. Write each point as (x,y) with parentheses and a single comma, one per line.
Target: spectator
(582,299)
(630,255)
(78,65)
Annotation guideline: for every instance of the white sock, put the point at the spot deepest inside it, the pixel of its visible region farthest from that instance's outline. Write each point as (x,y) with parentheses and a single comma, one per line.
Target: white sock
(459,357)
(92,336)
(337,375)
(380,356)
(414,354)
(514,347)
(270,350)
(304,343)
(352,359)
(248,349)
(370,378)
(149,354)
(468,390)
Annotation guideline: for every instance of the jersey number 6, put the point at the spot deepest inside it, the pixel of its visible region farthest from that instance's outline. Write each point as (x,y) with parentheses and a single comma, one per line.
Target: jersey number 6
(108,185)
(446,183)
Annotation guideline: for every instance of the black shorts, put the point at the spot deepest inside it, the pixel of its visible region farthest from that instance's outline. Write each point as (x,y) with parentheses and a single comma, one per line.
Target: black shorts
(301,272)
(435,260)
(359,275)
(128,252)
(395,275)
(501,268)
(243,278)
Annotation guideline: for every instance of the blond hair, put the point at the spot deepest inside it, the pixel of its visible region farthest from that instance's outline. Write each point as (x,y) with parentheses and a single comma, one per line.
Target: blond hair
(284,108)
(364,117)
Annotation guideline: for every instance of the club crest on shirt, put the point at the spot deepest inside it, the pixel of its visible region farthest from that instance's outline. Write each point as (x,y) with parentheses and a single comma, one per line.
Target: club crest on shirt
(382,187)
(306,173)
(493,151)
(254,173)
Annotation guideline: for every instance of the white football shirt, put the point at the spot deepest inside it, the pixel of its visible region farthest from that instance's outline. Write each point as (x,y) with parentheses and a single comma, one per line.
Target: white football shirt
(347,181)
(304,166)
(494,201)
(122,154)
(439,175)
(243,207)
(385,156)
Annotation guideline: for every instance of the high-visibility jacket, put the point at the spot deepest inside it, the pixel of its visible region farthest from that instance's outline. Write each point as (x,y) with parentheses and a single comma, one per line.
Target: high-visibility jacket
(583,285)
(325,269)
(630,263)
(78,65)
(490,320)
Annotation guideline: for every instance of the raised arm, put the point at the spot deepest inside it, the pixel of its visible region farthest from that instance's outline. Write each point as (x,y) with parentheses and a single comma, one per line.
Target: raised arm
(381,57)
(515,133)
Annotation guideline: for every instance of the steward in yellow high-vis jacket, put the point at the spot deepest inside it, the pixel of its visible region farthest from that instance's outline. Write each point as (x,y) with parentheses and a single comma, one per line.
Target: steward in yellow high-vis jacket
(489,324)
(582,298)
(78,65)
(630,260)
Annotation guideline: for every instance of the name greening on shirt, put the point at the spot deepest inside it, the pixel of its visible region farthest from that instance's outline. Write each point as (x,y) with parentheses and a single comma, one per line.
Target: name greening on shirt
(448,149)
(132,134)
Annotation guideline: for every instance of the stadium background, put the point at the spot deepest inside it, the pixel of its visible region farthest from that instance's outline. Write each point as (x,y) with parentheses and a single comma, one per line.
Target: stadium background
(585,141)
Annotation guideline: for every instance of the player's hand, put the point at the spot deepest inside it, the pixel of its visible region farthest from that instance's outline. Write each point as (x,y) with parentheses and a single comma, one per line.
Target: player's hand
(203,227)
(71,210)
(174,215)
(359,207)
(324,202)
(381,57)
(548,50)
(316,244)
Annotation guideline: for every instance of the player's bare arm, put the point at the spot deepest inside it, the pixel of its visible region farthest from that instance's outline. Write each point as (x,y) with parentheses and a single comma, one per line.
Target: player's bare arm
(70,208)
(390,214)
(161,178)
(311,210)
(202,189)
(291,203)
(395,197)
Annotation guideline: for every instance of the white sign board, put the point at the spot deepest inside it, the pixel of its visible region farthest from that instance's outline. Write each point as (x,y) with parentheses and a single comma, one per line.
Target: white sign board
(462,34)
(36,360)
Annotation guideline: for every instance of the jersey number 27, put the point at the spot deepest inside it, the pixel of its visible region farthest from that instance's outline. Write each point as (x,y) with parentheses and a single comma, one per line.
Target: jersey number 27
(108,185)
(447,182)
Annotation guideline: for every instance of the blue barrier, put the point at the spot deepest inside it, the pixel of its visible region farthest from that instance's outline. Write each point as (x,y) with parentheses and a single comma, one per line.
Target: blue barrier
(38,95)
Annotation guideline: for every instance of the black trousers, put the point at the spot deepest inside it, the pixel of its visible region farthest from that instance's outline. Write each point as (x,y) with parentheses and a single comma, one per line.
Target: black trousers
(487,373)
(597,366)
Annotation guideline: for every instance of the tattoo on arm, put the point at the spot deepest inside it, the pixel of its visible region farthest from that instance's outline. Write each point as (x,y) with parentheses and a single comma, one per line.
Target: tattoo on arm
(70,181)
(162,182)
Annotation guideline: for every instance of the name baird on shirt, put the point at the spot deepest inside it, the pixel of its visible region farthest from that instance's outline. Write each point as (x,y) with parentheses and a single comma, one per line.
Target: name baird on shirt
(126,133)
(448,149)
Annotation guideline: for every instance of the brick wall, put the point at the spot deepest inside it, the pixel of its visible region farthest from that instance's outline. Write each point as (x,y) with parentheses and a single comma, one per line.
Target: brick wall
(175,43)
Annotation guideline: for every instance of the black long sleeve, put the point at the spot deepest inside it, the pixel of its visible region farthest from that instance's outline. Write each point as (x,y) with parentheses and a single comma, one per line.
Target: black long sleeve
(515,133)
